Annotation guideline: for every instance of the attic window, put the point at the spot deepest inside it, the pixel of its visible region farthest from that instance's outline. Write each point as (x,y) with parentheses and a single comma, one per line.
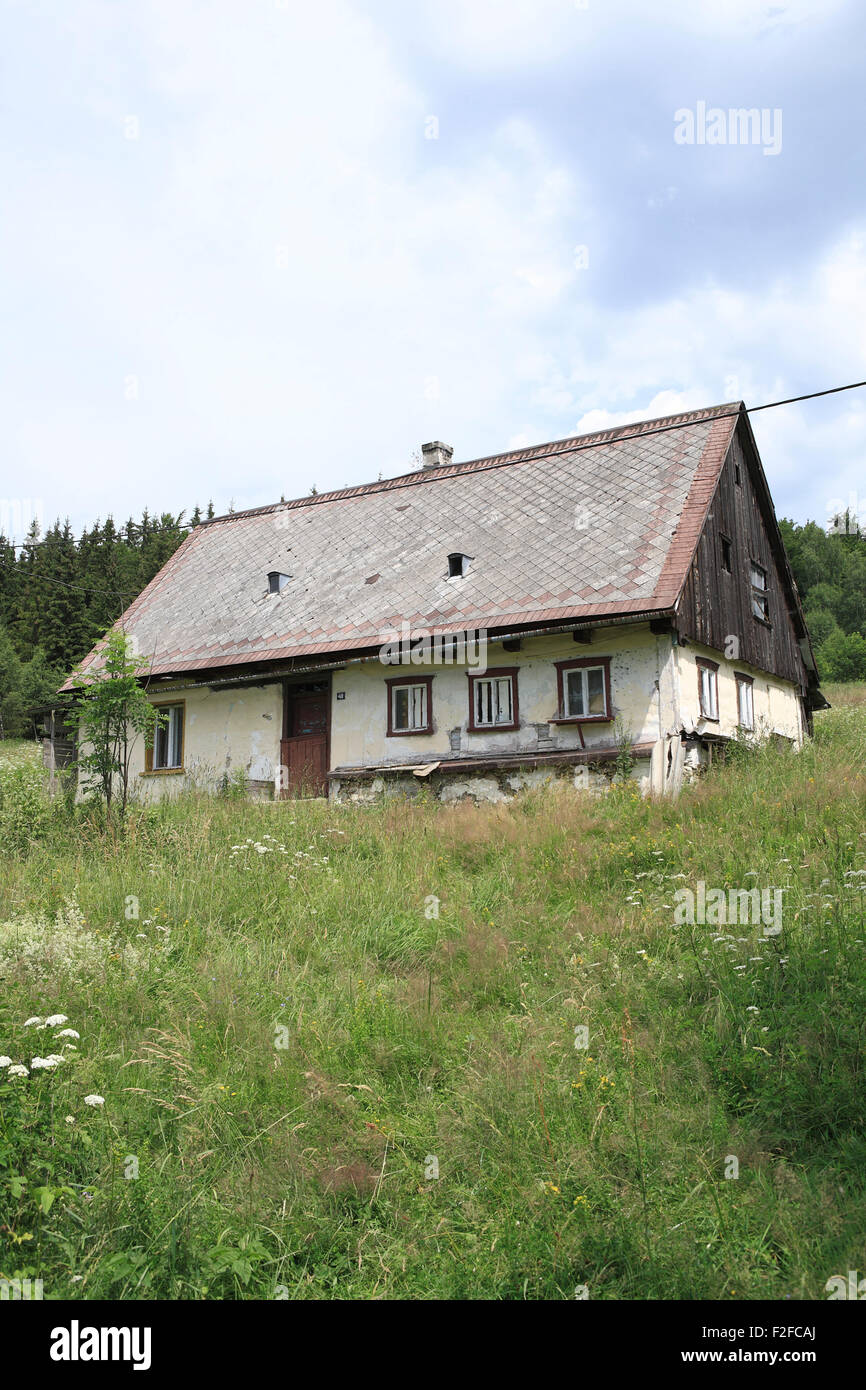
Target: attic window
(737,474)
(760,598)
(457,565)
(277,581)
(726,553)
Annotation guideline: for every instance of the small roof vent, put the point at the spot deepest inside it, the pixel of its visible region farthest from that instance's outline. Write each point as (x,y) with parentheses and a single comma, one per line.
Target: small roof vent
(277,581)
(458,564)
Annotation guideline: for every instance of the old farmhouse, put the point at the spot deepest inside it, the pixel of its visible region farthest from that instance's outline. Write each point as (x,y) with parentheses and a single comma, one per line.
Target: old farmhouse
(616,599)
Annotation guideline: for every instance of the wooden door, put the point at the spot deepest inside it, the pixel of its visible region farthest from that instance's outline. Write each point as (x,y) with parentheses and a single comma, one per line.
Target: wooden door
(304,748)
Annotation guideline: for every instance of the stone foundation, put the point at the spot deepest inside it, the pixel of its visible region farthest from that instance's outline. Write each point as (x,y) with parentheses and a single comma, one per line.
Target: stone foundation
(491,785)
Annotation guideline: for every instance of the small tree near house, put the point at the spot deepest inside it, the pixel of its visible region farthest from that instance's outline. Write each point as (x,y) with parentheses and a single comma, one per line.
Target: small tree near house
(113,713)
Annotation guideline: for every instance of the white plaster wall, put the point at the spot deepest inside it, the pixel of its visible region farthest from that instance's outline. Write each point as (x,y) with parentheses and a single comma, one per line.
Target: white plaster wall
(654,691)
(226,731)
(360,720)
(776,702)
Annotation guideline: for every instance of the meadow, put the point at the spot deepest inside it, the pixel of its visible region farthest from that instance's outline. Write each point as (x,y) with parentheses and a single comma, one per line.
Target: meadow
(305,1051)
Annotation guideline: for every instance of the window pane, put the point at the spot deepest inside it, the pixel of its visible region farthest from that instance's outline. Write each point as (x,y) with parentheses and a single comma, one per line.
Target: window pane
(175,730)
(574,681)
(595,681)
(503,691)
(409,707)
(419,706)
(760,605)
(708,692)
(168,738)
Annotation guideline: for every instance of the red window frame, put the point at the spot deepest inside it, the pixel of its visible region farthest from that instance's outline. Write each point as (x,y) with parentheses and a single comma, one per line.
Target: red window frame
(494,673)
(409,680)
(562,667)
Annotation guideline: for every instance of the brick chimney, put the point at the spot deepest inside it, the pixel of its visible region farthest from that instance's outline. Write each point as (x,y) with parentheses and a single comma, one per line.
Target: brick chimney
(436,455)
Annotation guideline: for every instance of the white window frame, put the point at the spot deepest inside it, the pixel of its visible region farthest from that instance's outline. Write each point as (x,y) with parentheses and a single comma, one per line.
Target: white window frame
(760,584)
(708,690)
(487,697)
(417,707)
(745,688)
(584,673)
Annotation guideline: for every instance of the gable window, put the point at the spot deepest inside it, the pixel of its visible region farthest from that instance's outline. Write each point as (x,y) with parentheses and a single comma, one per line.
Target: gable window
(493,700)
(726,553)
(745,702)
(584,690)
(165,754)
(760,596)
(409,705)
(708,687)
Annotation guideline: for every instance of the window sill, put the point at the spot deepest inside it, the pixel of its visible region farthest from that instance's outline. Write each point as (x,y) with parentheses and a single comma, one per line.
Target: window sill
(162,772)
(581,719)
(408,733)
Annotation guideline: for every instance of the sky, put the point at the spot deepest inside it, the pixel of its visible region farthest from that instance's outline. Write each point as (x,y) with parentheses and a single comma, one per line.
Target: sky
(249,247)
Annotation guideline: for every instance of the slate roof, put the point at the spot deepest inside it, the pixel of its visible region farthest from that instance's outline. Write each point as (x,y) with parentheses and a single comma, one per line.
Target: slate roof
(596,526)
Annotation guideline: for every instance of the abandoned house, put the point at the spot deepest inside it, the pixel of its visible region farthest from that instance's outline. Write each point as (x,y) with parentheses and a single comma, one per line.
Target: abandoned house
(620,599)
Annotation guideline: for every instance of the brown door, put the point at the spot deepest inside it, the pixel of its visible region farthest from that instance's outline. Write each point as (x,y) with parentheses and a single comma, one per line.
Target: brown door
(304,748)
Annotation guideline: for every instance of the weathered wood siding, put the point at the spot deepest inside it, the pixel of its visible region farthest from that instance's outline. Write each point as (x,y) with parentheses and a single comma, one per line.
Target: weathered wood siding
(716,605)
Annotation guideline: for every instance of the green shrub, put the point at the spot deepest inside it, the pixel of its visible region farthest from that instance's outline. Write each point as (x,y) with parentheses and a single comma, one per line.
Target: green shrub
(25,810)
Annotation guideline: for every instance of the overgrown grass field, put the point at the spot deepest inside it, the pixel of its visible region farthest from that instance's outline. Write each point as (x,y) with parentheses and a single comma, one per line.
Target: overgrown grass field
(292,1017)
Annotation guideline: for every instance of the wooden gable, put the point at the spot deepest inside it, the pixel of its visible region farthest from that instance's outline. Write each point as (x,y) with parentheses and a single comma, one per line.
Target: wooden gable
(715,604)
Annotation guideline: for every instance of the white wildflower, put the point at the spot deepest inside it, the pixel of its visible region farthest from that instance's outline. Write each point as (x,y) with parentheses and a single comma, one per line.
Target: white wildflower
(68,1033)
(94,1100)
(5,1061)
(18,1070)
(55,1020)
(28,1022)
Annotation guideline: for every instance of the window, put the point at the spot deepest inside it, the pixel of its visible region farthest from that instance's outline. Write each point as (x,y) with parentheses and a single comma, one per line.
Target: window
(737,474)
(493,700)
(726,553)
(165,754)
(458,565)
(760,597)
(409,706)
(745,702)
(708,686)
(584,689)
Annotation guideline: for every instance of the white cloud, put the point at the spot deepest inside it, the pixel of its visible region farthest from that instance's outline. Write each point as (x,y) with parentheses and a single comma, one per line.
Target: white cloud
(305,287)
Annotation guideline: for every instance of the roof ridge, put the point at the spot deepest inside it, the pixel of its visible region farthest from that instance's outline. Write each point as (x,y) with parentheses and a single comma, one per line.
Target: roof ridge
(569,444)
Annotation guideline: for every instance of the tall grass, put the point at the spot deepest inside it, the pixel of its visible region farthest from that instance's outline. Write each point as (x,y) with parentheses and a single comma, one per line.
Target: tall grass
(295,1033)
